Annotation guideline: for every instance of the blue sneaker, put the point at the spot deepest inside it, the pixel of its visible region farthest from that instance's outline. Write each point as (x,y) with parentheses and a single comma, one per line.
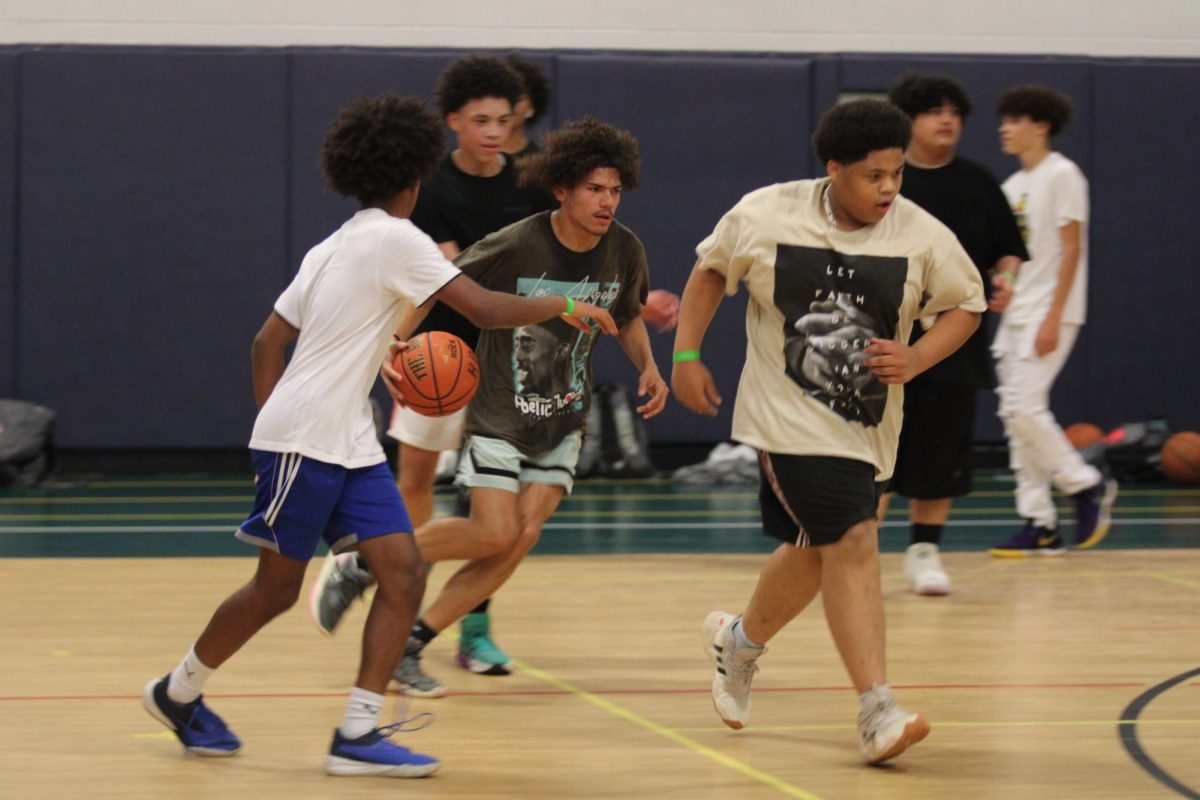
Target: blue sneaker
(374,754)
(1031,540)
(201,732)
(1093,513)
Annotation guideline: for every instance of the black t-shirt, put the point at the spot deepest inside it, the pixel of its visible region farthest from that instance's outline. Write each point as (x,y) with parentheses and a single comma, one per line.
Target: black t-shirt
(965,197)
(456,207)
(536,380)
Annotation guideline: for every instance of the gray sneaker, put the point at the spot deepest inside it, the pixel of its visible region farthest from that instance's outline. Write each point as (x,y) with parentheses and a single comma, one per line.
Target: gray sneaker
(887,730)
(339,584)
(413,680)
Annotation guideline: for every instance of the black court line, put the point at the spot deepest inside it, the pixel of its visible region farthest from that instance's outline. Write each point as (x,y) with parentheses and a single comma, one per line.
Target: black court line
(1127,730)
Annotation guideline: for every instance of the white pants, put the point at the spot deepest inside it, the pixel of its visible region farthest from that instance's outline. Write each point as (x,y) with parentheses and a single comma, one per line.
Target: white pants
(1039,453)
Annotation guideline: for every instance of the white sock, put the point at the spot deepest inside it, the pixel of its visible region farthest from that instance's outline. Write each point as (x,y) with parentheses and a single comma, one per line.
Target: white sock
(187,681)
(362,713)
(877,694)
(740,640)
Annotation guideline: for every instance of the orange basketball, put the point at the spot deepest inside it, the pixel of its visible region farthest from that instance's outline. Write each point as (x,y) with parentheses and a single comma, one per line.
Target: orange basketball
(1081,434)
(1181,457)
(440,373)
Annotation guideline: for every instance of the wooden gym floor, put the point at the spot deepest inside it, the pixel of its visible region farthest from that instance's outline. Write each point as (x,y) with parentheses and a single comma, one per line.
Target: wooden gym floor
(1076,677)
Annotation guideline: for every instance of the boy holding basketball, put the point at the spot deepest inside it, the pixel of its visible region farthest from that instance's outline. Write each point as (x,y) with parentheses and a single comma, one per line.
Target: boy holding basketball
(1049,196)
(525,425)
(320,472)
(837,270)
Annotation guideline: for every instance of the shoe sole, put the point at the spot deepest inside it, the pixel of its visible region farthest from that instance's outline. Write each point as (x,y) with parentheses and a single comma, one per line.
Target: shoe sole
(914,731)
(931,591)
(314,594)
(736,724)
(1106,504)
(153,710)
(1027,553)
(482,667)
(336,765)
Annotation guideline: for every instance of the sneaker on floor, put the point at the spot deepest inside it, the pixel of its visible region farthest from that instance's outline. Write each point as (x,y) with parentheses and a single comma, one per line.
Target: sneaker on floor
(414,681)
(340,582)
(885,729)
(1030,540)
(201,732)
(923,568)
(1093,513)
(476,650)
(374,754)
(735,669)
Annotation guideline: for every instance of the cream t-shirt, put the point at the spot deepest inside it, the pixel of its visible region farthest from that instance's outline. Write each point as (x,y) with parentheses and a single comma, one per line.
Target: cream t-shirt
(818,295)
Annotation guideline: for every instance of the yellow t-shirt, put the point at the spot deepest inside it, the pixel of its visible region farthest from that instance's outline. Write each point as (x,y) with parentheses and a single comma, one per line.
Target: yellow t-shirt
(817,297)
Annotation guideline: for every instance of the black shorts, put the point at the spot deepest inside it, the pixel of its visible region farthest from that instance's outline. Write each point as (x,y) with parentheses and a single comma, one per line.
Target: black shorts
(934,457)
(809,501)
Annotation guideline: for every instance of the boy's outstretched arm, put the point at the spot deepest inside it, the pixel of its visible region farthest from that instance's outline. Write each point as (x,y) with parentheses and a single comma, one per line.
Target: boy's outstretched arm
(690,379)
(488,309)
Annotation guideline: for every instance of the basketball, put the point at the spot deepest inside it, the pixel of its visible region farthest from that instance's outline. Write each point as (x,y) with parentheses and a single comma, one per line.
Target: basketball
(1081,434)
(1181,457)
(440,373)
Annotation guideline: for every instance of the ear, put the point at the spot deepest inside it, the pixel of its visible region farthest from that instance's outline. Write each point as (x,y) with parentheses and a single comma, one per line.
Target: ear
(452,120)
(560,193)
(834,168)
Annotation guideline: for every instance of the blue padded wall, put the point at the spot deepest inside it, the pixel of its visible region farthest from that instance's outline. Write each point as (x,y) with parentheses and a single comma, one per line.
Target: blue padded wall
(1143,324)
(151,236)
(710,129)
(154,201)
(8,210)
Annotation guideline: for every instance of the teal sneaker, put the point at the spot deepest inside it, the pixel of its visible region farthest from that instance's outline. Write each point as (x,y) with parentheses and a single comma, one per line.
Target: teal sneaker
(476,650)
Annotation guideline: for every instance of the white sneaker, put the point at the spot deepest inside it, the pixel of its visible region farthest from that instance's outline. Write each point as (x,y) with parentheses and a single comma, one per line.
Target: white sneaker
(923,568)
(886,729)
(735,669)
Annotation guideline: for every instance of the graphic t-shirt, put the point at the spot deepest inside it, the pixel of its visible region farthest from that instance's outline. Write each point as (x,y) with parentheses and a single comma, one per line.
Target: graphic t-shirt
(1044,199)
(536,382)
(346,300)
(966,199)
(818,295)
(454,206)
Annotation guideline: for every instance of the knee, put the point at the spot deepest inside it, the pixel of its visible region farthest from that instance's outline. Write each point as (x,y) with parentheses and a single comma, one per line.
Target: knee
(496,536)
(528,537)
(275,597)
(415,483)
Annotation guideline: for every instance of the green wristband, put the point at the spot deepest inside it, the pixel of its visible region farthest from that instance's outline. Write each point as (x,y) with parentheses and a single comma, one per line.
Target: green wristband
(1011,277)
(685,355)
(570,306)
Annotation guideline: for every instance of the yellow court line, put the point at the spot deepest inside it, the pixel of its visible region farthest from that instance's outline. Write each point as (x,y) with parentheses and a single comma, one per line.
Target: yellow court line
(673,735)
(1162,576)
(1082,723)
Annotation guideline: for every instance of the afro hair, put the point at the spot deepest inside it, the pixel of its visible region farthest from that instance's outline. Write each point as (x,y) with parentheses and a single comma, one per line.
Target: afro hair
(381,146)
(475,77)
(537,85)
(917,93)
(1039,103)
(570,153)
(849,131)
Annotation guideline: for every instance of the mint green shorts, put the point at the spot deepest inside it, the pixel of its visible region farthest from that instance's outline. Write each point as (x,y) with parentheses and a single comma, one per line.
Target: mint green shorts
(496,464)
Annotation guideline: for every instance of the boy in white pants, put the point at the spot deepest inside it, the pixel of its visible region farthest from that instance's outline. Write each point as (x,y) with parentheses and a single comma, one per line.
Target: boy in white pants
(1049,196)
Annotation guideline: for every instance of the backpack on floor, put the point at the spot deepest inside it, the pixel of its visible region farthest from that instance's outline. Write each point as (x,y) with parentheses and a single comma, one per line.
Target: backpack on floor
(1130,452)
(615,443)
(26,443)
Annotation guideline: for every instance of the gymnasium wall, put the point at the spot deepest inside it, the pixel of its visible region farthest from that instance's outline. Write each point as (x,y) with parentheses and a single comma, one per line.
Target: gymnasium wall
(155,200)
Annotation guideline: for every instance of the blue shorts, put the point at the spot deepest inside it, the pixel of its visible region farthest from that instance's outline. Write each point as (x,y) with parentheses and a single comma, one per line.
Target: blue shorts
(300,501)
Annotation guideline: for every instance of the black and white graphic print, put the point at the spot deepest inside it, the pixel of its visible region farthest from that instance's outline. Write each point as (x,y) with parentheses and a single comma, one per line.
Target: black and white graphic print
(833,305)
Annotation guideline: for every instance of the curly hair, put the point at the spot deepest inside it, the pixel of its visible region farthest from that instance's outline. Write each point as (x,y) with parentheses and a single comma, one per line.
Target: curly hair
(537,85)
(474,77)
(1039,103)
(380,146)
(916,93)
(569,155)
(849,131)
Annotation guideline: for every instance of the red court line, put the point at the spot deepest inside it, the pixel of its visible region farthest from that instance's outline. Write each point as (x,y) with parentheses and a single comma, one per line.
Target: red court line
(559,692)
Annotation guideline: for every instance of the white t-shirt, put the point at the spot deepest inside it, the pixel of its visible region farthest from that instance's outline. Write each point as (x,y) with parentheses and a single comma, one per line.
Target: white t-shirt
(817,297)
(346,300)
(1044,199)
